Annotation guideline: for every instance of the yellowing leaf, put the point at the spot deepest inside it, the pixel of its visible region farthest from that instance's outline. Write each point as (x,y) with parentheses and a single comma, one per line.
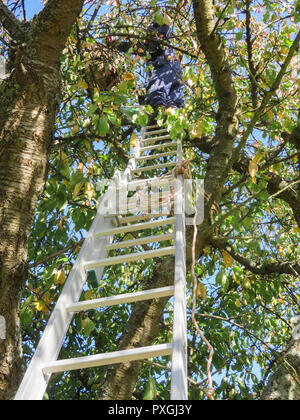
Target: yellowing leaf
(258,157)
(166,20)
(82,84)
(134,140)
(66,183)
(270,114)
(234,278)
(63,157)
(41,306)
(46,298)
(59,277)
(90,169)
(80,167)
(128,76)
(237,303)
(201,291)
(89,190)
(227,258)
(197,129)
(253,169)
(77,189)
(89,295)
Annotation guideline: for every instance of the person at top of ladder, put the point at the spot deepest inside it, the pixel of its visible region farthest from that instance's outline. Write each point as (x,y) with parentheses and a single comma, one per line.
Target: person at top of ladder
(163,85)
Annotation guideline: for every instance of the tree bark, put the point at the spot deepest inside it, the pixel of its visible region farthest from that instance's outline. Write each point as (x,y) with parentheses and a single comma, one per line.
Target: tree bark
(284,383)
(29,101)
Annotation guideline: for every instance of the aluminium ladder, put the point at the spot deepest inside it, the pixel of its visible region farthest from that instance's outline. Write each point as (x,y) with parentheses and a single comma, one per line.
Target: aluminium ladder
(154,144)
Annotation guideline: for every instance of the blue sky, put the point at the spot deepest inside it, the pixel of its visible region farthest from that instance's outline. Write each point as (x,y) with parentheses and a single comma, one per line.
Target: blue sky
(32,8)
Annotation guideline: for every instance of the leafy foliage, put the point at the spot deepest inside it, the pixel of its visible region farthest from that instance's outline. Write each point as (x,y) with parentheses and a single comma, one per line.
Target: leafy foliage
(243,311)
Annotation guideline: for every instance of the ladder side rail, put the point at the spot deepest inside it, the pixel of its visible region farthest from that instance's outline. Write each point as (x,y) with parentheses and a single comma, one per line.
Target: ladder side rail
(34,383)
(126,176)
(179,344)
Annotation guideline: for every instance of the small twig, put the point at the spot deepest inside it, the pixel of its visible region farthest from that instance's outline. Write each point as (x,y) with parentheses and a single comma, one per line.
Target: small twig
(55,254)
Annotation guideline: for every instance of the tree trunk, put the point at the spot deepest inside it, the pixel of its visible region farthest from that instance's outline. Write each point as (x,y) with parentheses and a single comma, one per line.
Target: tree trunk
(284,383)
(29,101)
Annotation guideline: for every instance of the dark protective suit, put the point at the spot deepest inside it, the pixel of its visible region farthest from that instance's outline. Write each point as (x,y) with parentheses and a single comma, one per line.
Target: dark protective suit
(163,84)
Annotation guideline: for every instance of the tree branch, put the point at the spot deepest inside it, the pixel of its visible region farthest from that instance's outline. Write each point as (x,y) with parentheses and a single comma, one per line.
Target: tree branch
(52,26)
(266,99)
(256,268)
(227,116)
(277,186)
(55,254)
(252,69)
(10,23)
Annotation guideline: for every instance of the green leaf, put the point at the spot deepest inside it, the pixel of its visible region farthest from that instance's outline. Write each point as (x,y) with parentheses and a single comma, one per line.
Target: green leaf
(239,36)
(150,390)
(92,108)
(103,126)
(222,280)
(141,119)
(88,326)
(247,222)
(158,18)
(26,313)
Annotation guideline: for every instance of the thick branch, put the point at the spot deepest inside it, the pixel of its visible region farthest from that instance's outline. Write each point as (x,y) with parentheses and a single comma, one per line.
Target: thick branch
(215,54)
(227,121)
(52,26)
(284,383)
(10,22)
(252,69)
(256,268)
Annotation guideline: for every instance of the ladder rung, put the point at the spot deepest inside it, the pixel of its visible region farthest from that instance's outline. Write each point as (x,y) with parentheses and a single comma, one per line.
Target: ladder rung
(150,133)
(158,146)
(121,299)
(141,241)
(120,259)
(132,186)
(153,167)
(151,126)
(159,155)
(160,208)
(146,198)
(139,226)
(144,216)
(155,139)
(108,358)
(157,204)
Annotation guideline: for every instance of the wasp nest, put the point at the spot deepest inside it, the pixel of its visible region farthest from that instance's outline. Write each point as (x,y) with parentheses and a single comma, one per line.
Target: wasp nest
(103,66)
